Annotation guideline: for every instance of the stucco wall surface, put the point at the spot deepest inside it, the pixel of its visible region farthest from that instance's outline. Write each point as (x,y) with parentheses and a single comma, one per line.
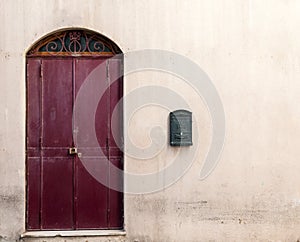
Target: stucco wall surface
(250,50)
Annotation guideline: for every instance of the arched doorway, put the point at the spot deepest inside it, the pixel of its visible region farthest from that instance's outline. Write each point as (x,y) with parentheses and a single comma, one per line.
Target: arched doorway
(61,194)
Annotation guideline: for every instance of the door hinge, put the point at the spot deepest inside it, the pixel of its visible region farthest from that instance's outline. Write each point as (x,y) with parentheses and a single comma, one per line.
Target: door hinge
(108,215)
(107,145)
(107,70)
(121,69)
(27,70)
(41,69)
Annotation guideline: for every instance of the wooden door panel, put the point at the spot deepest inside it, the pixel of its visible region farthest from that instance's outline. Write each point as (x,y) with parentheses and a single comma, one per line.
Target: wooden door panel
(33,192)
(83,69)
(57,165)
(33,143)
(33,103)
(57,193)
(115,140)
(115,198)
(91,195)
(91,198)
(57,103)
(116,92)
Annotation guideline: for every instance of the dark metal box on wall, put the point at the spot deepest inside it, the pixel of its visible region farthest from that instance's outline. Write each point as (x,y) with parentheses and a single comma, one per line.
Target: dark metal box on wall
(181,128)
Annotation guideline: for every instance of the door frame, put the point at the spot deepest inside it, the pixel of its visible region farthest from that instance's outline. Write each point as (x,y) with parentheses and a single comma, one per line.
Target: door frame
(109,49)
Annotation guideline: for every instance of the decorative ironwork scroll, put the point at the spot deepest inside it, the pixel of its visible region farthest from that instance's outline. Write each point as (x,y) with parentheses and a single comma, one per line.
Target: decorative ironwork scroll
(75,42)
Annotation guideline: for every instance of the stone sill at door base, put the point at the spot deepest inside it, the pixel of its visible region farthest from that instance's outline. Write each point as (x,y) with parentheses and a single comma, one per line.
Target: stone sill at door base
(78,233)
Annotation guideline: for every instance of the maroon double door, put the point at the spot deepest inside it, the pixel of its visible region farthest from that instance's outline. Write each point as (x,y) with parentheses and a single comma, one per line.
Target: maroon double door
(61,193)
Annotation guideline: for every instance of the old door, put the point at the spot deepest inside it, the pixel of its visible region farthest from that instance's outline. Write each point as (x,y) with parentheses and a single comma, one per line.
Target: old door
(61,193)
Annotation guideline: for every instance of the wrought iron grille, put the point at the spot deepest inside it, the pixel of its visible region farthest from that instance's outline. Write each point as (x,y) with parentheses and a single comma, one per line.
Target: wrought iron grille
(74,42)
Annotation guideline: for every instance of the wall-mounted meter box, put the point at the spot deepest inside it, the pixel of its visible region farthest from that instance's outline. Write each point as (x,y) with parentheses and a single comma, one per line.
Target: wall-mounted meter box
(181,128)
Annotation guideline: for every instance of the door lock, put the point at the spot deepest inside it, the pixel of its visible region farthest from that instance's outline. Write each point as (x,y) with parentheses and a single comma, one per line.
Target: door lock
(73,151)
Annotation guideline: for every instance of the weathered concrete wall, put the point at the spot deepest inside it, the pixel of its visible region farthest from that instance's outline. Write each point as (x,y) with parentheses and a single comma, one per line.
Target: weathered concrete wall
(250,49)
